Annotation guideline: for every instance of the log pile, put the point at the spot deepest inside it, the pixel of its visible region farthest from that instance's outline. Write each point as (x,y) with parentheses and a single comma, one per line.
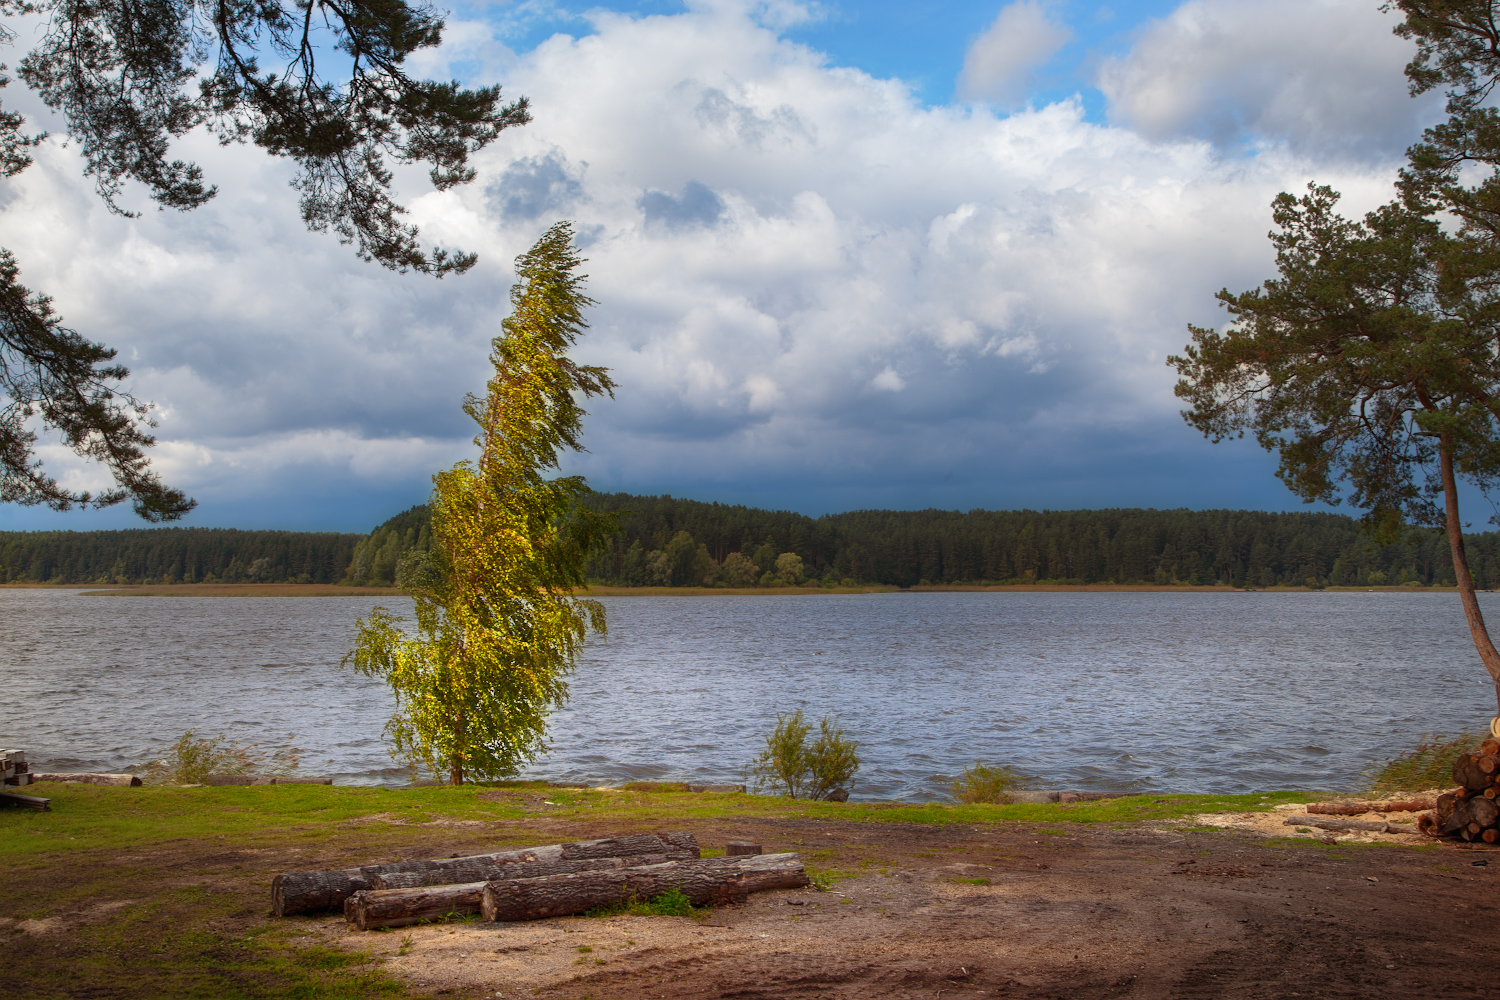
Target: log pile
(1471,811)
(312,892)
(13,767)
(535,882)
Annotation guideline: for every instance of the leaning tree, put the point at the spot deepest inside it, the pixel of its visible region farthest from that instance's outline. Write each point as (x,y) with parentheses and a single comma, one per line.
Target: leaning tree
(1369,365)
(497,626)
(321,82)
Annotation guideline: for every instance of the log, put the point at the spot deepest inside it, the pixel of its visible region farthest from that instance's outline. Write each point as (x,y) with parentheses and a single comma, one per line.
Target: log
(741,849)
(708,880)
(1468,771)
(401,898)
(26,801)
(1356,808)
(484,869)
(117,780)
(1427,823)
(1490,747)
(311,892)
(1484,812)
(1376,826)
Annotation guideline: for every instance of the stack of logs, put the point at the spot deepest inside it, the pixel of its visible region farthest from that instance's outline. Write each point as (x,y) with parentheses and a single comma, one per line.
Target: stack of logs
(13,767)
(1472,810)
(534,882)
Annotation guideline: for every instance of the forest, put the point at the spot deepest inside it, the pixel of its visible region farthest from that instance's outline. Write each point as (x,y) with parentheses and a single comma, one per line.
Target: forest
(666,541)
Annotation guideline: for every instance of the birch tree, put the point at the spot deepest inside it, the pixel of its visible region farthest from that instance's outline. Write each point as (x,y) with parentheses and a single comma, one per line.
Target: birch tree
(497,626)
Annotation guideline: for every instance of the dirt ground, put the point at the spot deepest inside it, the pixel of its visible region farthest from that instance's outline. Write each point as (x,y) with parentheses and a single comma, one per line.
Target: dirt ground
(1151,910)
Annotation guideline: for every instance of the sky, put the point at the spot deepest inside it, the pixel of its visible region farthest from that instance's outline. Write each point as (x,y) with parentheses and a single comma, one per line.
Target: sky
(846,255)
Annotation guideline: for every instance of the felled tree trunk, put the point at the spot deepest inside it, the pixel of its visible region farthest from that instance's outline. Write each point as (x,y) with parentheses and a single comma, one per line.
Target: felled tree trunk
(311,892)
(709,880)
(1357,808)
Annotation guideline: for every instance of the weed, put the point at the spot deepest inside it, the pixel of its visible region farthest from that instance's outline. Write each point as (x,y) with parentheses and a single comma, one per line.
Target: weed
(1427,765)
(584,949)
(190,759)
(824,879)
(406,944)
(672,903)
(982,784)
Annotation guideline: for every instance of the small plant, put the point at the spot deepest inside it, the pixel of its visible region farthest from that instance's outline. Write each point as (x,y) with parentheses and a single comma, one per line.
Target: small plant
(672,903)
(983,785)
(584,949)
(406,943)
(189,760)
(1427,765)
(806,772)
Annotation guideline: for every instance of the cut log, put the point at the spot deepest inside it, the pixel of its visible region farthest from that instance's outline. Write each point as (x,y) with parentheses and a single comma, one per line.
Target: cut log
(709,880)
(1468,771)
(311,892)
(741,848)
(118,780)
(1484,811)
(1490,836)
(1356,808)
(401,898)
(1374,826)
(484,870)
(26,801)
(1427,823)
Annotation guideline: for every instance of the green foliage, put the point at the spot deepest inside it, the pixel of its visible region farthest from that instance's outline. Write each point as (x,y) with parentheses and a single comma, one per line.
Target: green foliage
(497,627)
(175,555)
(191,759)
(672,903)
(803,771)
(902,548)
(982,783)
(1427,765)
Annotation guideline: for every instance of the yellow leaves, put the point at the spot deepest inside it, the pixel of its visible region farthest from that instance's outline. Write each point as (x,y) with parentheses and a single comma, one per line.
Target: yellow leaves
(495,638)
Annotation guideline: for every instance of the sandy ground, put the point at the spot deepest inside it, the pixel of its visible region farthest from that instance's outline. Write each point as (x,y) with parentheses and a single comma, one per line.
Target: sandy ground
(1145,910)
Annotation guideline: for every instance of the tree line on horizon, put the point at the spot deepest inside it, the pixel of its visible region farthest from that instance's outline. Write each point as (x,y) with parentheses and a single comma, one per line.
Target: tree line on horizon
(666,541)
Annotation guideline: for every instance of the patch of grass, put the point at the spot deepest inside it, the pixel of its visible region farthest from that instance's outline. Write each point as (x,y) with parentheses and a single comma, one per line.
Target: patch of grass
(824,879)
(672,903)
(982,784)
(711,852)
(1429,764)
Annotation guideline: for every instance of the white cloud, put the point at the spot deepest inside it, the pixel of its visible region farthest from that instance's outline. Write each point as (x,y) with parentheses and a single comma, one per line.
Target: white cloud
(770,239)
(1000,63)
(1323,75)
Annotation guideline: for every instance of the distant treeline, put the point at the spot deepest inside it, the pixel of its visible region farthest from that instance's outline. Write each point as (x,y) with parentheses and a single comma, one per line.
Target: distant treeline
(670,542)
(175,555)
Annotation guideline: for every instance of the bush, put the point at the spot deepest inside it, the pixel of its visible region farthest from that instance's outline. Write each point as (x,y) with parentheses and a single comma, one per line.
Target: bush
(190,760)
(981,784)
(806,772)
(1427,765)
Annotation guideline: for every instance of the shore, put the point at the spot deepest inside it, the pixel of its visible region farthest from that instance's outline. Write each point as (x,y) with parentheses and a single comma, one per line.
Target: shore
(164,892)
(336,590)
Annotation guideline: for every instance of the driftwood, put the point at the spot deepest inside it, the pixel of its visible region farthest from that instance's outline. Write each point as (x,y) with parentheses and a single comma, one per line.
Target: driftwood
(709,880)
(1374,826)
(120,780)
(1356,808)
(311,892)
(401,898)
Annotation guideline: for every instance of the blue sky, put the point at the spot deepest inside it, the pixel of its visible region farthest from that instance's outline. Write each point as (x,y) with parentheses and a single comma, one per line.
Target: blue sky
(847,255)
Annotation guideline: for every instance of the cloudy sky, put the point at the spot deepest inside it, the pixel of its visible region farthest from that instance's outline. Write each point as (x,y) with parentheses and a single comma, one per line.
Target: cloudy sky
(847,254)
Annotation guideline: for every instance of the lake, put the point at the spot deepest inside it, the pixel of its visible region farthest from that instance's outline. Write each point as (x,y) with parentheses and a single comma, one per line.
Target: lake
(1159,691)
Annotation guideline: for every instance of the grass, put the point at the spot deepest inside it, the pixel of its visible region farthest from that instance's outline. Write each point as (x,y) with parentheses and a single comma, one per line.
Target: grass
(671,903)
(1427,765)
(183,874)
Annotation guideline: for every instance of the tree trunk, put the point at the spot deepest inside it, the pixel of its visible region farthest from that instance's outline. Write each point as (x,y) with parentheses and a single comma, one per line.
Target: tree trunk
(1356,808)
(1487,652)
(710,880)
(311,892)
(401,898)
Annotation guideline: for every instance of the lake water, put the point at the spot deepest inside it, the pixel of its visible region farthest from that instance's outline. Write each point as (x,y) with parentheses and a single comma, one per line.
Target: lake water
(1102,691)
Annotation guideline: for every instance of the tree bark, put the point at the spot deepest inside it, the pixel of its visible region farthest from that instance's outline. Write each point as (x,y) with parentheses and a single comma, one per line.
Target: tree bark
(311,892)
(401,898)
(709,880)
(1482,642)
(1356,808)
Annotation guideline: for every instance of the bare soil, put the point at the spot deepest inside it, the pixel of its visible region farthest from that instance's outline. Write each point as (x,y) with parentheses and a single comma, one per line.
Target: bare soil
(1157,909)
(1139,911)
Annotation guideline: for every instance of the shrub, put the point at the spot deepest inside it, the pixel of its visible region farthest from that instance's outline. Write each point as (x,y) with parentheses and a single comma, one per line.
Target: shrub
(189,760)
(1427,765)
(806,772)
(981,784)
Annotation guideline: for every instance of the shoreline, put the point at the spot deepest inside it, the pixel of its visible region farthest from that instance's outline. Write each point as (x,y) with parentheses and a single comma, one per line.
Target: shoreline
(339,590)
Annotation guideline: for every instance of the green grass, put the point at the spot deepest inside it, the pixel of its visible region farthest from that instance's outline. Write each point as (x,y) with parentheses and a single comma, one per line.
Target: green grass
(1429,764)
(672,903)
